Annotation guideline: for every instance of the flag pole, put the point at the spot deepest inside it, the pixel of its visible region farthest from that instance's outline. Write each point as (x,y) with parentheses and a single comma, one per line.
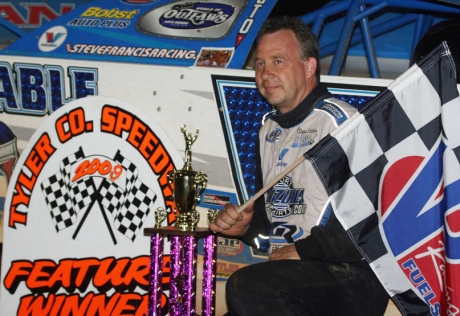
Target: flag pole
(297,162)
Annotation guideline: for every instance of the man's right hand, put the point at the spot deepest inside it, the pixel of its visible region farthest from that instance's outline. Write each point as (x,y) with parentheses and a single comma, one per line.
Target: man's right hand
(230,222)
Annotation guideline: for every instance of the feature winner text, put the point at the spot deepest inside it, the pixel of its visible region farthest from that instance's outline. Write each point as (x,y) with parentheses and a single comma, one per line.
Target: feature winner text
(41,276)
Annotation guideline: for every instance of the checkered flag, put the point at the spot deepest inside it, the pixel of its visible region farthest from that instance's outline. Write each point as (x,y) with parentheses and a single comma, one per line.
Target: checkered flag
(131,205)
(397,183)
(63,202)
(112,196)
(82,192)
(131,216)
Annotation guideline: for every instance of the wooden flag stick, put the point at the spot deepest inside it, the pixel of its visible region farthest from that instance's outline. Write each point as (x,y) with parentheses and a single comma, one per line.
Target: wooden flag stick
(272,183)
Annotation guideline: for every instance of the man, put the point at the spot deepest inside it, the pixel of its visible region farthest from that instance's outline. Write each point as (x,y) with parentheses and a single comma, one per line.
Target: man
(313,267)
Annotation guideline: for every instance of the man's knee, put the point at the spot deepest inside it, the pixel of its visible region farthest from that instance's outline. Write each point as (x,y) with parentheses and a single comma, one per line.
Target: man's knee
(234,281)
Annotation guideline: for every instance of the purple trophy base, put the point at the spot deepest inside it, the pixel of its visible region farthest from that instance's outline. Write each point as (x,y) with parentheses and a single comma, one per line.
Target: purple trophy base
(209,275)
(156,273)
(183,270)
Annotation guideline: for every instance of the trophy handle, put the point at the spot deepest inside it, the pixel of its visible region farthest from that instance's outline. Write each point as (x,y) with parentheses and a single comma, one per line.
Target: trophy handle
(195,217)
(212,215)
(200,183)
(170,176)
(160,216)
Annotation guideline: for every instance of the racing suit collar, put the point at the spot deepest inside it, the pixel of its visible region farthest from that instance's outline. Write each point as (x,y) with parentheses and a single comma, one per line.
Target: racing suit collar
(298,114)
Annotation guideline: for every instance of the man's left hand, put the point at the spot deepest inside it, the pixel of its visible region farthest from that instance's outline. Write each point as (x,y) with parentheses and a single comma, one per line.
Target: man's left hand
(286,252)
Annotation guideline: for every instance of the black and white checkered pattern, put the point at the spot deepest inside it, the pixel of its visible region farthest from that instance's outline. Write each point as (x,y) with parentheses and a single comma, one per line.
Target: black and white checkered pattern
(130,206)
(112,196)
(82,193)
(131,216)
(405,120)
(58,196)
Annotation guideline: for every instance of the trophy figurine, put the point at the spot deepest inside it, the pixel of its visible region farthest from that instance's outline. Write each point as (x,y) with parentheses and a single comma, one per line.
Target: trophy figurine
(160,216)
(187,187)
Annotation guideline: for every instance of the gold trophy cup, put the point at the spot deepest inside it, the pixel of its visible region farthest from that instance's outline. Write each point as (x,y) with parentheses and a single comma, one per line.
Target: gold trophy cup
(187,187)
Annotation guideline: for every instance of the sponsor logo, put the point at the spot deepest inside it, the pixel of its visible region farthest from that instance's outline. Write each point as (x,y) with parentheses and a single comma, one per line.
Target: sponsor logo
(96,12)
(332,109)
(283,232)
(192,19)
(283,152)
(36,12)
(214,57)
(104,18)
(193,15)
(305,137)
(427,250)
(274,135)
(281,163)
(114,24)
(52,38)
(129,51)
(282,200)
(215,199)
(229,247)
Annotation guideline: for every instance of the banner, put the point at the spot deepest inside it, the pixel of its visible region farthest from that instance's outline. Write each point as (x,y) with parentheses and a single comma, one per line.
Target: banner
(393,175)
(216,34)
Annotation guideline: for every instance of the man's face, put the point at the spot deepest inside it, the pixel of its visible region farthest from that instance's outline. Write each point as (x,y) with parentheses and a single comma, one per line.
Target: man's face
(282,77)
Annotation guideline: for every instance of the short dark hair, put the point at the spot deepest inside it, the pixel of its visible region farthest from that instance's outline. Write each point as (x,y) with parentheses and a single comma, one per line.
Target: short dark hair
(308,41)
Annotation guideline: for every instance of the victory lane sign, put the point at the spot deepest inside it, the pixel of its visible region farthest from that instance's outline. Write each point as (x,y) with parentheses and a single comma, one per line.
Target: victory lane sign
(79,197)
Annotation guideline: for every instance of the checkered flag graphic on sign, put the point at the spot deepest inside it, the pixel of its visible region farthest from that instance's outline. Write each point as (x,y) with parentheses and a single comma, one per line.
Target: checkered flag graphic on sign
(416,117)
(112,195)
(58,193)
(131,216)
(82,193)
(129,207)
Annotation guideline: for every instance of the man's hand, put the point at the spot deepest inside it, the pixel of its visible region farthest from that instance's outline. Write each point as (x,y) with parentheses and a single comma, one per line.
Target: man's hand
(230,222)
(286,252)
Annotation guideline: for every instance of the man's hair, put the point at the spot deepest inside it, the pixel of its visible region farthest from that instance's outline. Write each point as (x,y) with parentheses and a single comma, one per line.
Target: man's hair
(308,42)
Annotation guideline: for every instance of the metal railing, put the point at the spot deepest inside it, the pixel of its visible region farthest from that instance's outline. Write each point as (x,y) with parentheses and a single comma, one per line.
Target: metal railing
(361,12)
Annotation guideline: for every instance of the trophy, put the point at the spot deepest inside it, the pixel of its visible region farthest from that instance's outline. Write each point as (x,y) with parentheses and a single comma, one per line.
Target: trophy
(187,187)
(160,216)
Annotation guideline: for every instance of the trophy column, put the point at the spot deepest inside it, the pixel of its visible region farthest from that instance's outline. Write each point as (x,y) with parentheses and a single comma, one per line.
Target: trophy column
(183,270)
(187,187)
